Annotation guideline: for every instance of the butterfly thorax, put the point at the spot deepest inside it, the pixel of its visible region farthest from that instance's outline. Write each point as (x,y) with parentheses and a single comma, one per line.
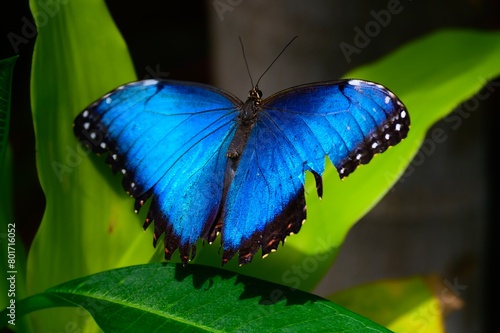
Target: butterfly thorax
(250,109)
(246,119)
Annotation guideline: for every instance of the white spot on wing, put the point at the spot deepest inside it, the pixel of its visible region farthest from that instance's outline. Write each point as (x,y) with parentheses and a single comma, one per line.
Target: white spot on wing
(355,82)
(387,99)
(149,82)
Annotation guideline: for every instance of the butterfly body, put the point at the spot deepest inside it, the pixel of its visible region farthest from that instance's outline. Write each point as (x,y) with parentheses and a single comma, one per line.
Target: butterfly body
(213,164)
(246,119)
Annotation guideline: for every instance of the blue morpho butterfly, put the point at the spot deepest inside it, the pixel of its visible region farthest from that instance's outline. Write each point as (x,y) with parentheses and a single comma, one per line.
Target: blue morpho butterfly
(214,164)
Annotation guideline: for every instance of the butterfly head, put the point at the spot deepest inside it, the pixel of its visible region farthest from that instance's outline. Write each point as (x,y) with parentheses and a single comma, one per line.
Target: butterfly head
(255,95)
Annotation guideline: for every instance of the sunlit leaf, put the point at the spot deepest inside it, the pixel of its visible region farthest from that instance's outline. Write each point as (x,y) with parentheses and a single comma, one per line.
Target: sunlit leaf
(88,225)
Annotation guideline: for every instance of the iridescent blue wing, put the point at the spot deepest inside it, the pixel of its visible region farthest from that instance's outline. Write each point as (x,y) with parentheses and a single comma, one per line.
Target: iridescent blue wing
(349,121)
(169,140)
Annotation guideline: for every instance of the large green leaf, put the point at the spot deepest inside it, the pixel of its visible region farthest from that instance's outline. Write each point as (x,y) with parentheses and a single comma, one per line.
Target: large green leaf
(87,225)
(172,298)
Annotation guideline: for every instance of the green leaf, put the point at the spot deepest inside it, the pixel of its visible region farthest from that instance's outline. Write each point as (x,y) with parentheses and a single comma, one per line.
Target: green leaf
(88,225)
(166,297)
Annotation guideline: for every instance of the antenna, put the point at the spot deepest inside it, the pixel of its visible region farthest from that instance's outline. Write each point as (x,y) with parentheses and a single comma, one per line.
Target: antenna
(246,63)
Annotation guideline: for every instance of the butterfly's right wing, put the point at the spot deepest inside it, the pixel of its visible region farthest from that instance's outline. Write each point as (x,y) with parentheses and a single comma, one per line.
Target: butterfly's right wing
(169,140)
(347,120)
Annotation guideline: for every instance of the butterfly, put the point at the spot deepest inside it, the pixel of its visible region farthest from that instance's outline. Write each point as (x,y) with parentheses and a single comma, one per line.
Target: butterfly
(212,164)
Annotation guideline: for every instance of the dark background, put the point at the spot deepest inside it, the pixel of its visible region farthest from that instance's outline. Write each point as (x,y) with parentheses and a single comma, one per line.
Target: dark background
(184,40)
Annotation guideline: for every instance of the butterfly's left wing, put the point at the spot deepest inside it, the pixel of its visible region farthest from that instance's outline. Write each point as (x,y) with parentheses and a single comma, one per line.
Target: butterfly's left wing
(349,121)
(169,140)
